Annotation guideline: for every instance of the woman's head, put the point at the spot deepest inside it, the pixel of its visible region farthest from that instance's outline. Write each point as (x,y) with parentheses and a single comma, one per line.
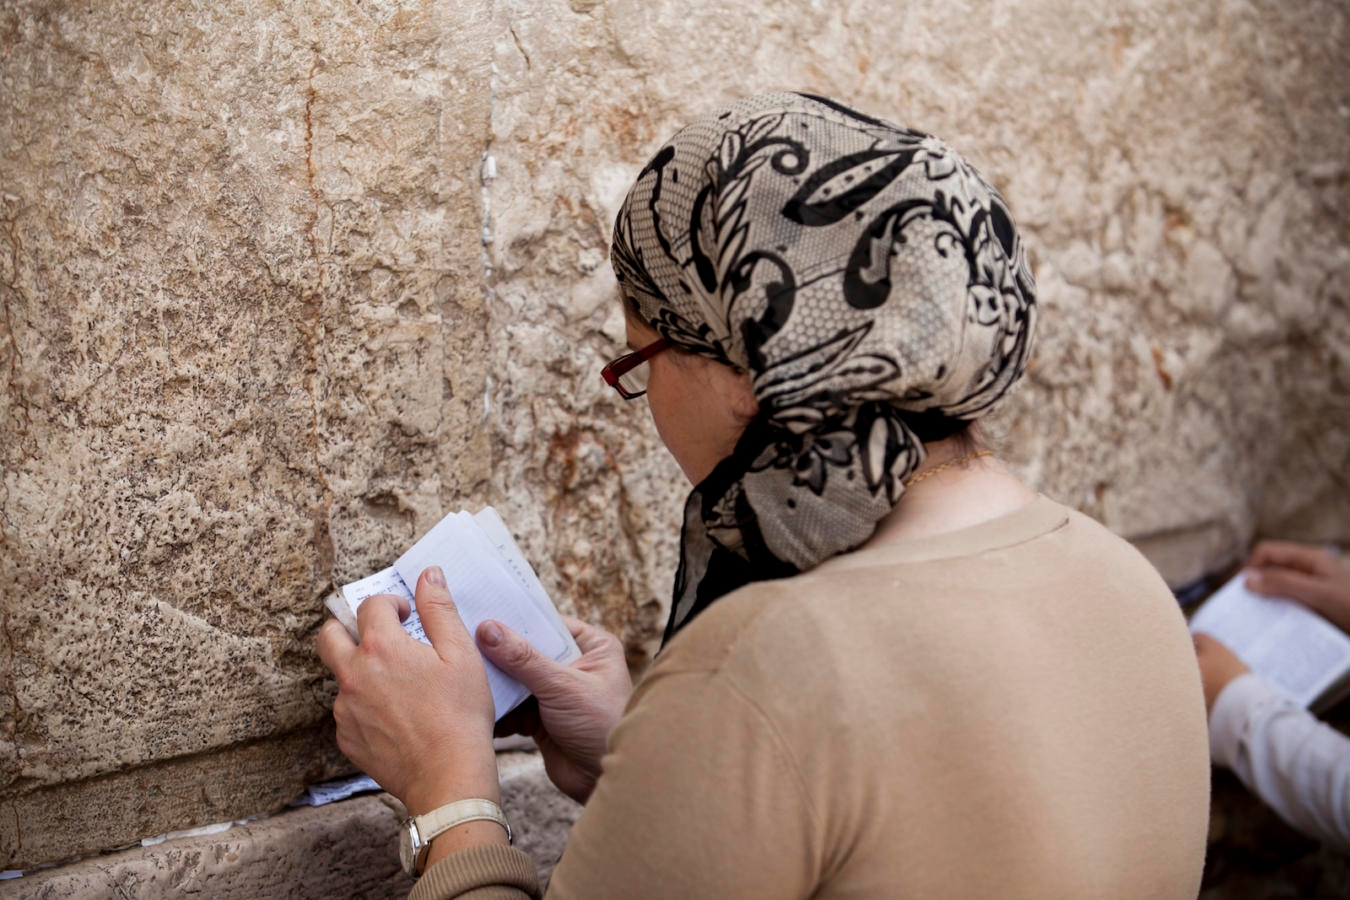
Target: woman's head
(867,282)
(701,406)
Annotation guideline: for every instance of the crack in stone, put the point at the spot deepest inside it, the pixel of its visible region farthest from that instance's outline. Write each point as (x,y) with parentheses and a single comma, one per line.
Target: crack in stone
(11,38)
(13,735)
(488,172)
(313,303)
(521,47)
(15,356)
(11,228)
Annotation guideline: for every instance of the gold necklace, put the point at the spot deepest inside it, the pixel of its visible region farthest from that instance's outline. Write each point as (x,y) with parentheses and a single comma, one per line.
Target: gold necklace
(947,465)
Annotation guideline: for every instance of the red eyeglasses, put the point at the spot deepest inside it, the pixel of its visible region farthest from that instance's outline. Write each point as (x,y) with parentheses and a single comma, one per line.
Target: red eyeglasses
(628,374)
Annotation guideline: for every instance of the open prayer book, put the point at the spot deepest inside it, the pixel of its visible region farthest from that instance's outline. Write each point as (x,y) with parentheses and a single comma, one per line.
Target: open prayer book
(1301,654)
(488,578)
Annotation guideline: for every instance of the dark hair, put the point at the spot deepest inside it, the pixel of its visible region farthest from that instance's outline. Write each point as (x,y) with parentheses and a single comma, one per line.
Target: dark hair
(969,440)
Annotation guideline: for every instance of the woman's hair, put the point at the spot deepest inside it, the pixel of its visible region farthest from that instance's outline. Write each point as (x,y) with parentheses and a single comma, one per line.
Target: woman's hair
(871,283)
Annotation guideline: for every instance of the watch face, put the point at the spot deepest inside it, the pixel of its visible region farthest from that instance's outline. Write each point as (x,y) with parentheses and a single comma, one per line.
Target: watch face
(409,847)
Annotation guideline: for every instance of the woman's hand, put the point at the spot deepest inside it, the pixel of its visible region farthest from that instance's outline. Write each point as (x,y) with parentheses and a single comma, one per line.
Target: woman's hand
(1311,575)
(416,718)
(574,707)
(1218,666)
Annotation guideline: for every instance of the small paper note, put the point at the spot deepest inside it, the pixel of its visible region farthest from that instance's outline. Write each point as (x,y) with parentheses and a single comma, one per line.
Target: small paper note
(333,791)
(488,578)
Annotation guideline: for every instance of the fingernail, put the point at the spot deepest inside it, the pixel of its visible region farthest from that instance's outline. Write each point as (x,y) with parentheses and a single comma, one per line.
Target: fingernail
(435,576)
(491,633)
(1254,579)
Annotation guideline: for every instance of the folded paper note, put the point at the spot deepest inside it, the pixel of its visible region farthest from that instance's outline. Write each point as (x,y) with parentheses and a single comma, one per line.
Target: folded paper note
(488,578)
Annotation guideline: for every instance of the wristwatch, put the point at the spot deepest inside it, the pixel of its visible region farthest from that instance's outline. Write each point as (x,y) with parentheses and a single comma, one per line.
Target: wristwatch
(419,831)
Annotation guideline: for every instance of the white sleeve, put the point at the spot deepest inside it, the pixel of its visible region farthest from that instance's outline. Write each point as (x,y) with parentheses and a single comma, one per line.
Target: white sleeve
(1296,764)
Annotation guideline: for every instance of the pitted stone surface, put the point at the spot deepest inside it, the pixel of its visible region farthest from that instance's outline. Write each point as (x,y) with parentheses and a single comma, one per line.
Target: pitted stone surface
(347,849)
(244,356)
(252,342)
(1179,173)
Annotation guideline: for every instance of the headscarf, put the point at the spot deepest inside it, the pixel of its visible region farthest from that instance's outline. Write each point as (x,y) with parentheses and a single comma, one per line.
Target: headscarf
(870,282)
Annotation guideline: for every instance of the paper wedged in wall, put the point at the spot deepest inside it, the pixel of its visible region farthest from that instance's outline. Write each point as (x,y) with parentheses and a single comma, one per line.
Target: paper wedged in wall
(338,789)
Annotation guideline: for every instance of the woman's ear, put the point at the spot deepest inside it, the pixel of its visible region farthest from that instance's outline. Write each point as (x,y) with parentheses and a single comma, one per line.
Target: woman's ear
(744,404)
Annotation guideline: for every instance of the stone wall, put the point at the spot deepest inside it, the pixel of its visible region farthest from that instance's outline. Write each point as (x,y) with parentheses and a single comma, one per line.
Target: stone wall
(345,850)
(281,283)
(246,347)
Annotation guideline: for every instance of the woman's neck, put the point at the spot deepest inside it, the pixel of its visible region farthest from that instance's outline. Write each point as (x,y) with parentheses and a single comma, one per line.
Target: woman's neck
(946,495)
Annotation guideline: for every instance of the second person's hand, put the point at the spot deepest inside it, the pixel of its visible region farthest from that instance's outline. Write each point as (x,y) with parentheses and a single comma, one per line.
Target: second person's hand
(1307,573)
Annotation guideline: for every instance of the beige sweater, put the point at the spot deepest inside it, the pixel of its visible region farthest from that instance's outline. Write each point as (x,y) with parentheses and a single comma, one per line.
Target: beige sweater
(1012,710)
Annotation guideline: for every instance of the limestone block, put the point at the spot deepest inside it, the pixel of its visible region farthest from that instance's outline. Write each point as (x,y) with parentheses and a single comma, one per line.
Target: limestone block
(347,849)
(1180,176)
(243,343)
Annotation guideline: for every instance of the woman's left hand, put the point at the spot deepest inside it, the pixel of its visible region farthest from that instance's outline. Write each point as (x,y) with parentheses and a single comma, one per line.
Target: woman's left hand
(416,718)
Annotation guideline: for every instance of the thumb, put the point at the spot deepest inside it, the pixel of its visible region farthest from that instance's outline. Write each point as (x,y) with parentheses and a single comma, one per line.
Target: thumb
(440,617)
(515,656)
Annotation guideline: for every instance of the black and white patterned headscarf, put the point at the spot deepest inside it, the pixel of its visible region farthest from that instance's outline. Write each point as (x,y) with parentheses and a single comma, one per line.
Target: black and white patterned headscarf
(871,283)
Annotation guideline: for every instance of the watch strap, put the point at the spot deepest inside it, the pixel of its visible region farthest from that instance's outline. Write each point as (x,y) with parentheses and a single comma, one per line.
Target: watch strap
(443,818)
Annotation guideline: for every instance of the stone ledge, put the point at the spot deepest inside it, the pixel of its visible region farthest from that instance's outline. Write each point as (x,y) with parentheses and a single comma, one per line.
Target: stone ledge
(345,849)
(341,850)
(69,820)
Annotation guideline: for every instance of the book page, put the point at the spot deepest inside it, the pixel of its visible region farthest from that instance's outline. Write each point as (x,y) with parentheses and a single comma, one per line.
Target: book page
(483,589)
(494,529)
(1297,651)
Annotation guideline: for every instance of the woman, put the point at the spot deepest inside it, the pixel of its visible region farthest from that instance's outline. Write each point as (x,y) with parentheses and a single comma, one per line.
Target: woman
(890,668)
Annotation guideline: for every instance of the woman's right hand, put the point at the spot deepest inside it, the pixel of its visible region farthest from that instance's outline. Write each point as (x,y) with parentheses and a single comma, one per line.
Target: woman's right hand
(1310,574)
(575,706)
